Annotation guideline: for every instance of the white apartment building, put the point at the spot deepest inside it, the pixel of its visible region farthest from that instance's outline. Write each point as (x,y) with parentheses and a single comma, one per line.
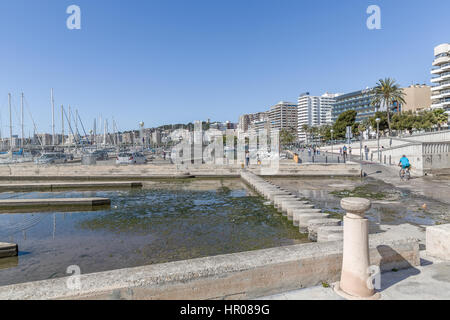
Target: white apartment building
(440,93)
(314,111)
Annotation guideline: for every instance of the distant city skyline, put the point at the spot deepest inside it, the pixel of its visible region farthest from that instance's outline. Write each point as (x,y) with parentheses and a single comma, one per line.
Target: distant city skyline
(165,62)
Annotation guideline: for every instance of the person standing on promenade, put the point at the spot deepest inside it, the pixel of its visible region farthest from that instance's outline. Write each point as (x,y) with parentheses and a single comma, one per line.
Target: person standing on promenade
(366,151)
(247,158)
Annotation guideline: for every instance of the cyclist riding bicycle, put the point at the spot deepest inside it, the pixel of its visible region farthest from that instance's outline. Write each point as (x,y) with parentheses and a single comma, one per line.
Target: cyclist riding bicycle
(404,163)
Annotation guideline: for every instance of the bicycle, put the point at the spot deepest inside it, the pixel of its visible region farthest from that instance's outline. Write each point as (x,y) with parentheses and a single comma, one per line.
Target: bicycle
(405,173)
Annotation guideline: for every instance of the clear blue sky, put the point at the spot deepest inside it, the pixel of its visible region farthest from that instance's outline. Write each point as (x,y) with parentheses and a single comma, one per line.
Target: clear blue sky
(167,61)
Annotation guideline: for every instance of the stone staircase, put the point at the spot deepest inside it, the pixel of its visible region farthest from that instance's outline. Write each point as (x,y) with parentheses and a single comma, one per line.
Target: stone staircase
(319,226)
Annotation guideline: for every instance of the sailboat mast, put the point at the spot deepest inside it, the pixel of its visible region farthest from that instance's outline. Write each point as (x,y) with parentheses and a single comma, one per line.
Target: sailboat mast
(70,126)
(22,143)
(62,125)
(95,133)
(104,131)
(10,124)
(53,118)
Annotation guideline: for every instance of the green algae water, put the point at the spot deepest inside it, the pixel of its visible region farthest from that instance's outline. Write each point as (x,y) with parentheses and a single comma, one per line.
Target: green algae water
(165,221)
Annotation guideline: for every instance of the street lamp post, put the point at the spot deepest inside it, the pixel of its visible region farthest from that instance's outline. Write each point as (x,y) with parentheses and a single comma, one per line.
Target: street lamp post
(332,143)
(378,136)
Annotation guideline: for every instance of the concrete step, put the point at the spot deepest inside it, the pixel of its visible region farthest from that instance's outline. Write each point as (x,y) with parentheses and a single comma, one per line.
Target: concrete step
(297,212)
(330,233)
(315,224)
(304,218)
(290,209)
(289,203)
(272,195)
(279,198)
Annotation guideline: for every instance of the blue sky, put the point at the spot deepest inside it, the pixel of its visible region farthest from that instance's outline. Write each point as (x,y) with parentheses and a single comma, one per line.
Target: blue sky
(167,61)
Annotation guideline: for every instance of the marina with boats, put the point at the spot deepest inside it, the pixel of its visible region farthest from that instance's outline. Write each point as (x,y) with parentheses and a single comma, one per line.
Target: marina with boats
(72,144)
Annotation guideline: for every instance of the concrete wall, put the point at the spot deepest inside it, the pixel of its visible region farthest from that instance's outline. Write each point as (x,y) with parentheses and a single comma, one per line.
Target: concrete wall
(351,169)
(233,276)
(438,136)
(424,157)
(412,151)
(149,171)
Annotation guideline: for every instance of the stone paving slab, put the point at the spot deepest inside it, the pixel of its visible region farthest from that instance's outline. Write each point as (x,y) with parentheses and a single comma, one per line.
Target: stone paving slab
(427,282)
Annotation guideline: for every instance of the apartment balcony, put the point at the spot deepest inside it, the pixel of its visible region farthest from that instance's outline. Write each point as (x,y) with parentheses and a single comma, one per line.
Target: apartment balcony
(443,68)
(443,77)
(442,94)
(441,60)
(441,87)
(441,105)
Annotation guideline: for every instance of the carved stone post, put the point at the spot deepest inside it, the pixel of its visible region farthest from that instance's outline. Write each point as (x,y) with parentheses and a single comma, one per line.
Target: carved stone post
(355,277)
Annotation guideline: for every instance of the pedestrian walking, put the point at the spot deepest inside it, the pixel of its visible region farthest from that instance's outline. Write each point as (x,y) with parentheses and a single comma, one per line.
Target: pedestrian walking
(344,153)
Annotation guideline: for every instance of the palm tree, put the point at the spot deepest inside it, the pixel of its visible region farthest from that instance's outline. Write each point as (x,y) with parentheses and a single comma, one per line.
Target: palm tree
(305,129)
(386,93)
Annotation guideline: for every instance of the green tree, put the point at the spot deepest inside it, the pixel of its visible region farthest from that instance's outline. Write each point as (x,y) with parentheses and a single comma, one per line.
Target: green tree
(287,136)
(386,92)
(345,119)
(404,121)
(325,132)
(441,117)
(305,129)
(383,121)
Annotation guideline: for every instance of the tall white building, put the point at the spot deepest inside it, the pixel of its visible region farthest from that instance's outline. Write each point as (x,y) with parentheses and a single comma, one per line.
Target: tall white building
(440,93)
(283,115)
(314,111)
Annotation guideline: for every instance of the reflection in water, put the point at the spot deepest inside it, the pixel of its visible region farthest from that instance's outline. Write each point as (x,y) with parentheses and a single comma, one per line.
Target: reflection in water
(160,223)
(10,262)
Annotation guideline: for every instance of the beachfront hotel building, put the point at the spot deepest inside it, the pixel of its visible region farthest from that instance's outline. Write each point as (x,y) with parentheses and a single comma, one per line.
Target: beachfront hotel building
(360,101)
(314,111)
(441,78)
(283,115)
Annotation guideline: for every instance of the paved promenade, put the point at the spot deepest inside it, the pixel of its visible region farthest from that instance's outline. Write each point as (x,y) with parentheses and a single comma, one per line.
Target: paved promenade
(430,281)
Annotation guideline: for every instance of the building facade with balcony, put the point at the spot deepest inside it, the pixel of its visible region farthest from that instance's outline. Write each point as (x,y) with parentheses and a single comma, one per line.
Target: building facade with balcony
(284,115)
(246,120)
(360,101)
(314,111)
(441,78)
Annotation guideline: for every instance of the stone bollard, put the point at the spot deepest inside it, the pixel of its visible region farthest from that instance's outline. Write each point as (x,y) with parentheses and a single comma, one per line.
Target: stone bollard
(355,277)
